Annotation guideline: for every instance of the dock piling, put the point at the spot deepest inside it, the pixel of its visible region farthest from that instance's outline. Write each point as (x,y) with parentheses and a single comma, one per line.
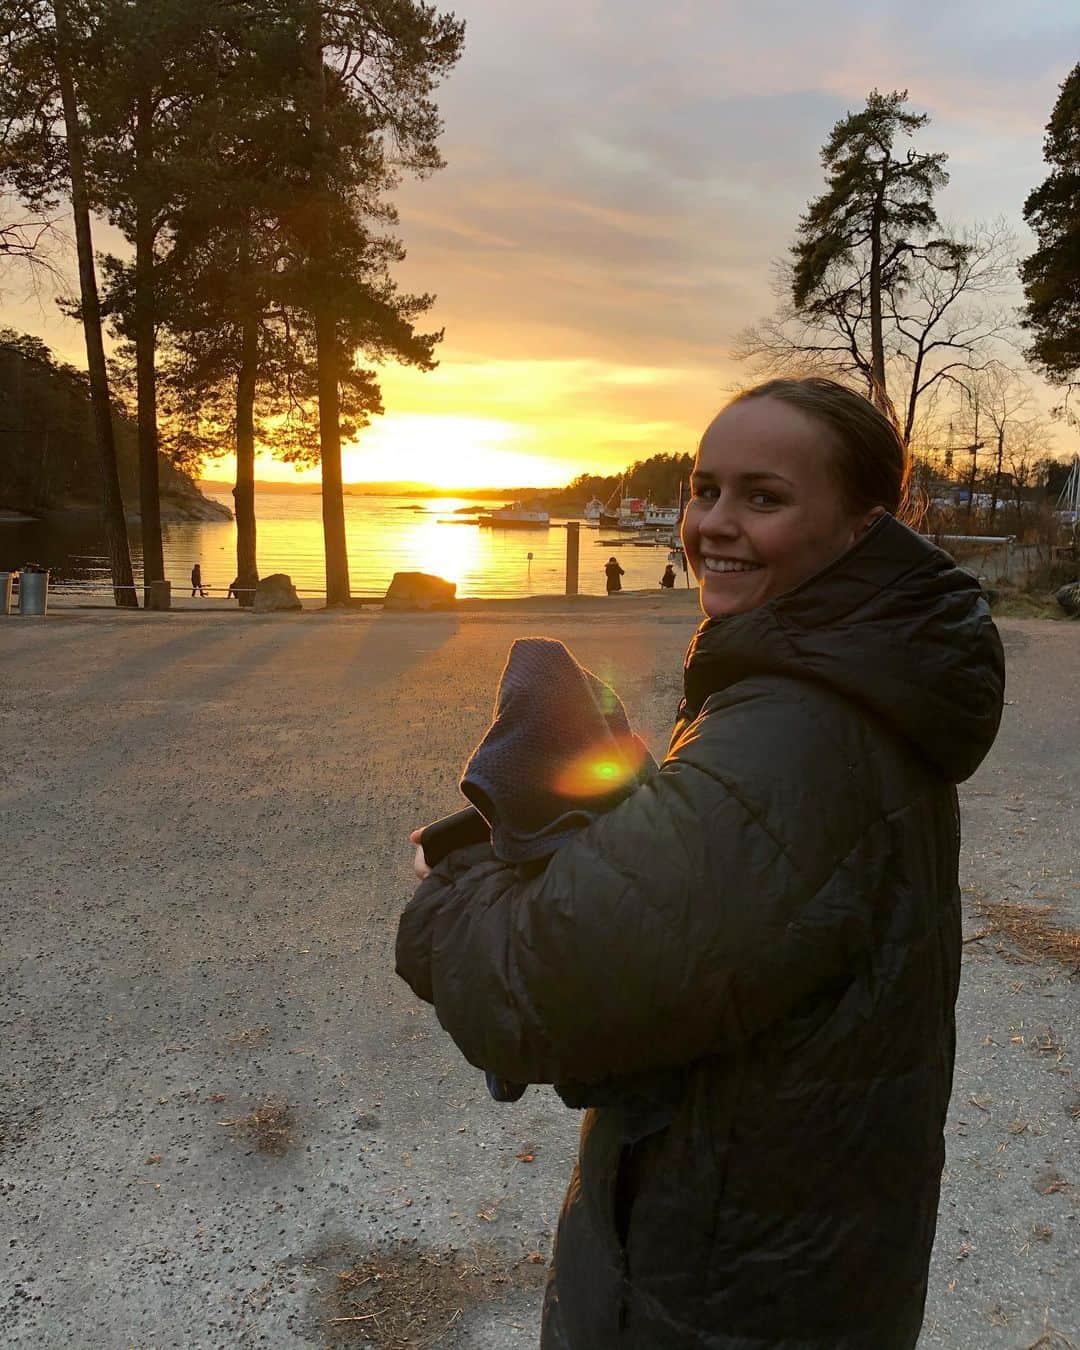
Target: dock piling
(573,543)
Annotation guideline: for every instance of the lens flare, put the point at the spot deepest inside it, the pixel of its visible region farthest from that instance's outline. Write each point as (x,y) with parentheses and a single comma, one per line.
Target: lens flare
(600,771)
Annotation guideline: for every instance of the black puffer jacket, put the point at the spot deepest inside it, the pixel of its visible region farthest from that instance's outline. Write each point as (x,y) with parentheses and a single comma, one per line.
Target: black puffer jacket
(777,908)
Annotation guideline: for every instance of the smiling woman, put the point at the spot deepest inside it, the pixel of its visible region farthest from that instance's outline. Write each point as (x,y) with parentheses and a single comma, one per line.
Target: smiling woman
(787,478)
(772,919)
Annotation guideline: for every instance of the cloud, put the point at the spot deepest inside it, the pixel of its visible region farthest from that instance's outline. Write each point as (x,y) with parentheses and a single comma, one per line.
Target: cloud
(629,171)
(621,174)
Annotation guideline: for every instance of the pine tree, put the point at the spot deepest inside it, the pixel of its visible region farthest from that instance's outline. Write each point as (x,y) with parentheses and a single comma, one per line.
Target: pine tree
(218,329)
(43,159)
(279,272)
(1051,275)
(856,240)
(369,73)
(157,63)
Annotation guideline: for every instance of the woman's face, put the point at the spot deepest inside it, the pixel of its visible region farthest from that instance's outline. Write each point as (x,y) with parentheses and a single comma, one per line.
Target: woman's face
(765,510)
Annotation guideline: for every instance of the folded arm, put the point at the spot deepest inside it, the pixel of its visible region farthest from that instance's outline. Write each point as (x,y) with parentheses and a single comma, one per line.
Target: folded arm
(676,926)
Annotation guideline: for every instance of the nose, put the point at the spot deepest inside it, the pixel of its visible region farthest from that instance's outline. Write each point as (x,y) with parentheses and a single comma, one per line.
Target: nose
(720,521)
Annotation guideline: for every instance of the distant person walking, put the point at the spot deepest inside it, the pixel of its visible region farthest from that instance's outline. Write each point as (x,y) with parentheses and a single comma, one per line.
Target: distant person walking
(668,579)
(613,572)
(197,581)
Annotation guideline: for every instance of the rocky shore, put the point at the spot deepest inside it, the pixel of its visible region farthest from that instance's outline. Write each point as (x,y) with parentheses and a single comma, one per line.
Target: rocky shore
(174,507)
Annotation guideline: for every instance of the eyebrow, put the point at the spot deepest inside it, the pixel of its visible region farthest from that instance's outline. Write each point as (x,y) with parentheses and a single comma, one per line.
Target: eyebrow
(704,476)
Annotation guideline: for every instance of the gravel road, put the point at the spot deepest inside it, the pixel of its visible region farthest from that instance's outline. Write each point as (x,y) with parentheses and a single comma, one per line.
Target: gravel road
(215,1095)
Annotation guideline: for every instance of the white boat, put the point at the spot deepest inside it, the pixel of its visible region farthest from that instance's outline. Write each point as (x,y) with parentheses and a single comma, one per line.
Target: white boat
(632,513)
(516,517)
(593,507)
(661,517)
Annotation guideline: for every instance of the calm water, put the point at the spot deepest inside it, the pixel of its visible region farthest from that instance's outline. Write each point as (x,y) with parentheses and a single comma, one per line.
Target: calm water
(385,535)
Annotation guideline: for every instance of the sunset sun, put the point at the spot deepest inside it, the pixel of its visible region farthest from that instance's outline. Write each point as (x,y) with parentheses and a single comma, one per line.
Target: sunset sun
(449,451)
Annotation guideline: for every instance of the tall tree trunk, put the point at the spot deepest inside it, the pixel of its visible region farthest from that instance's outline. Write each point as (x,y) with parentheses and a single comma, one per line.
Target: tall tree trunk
(116,540)
(877,341)
(327,351)
(997,475)
(145,342)
(333,501)
(247,571)
(974,463)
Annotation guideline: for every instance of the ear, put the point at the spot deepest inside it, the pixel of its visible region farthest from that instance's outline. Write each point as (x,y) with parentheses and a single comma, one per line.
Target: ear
(864,524)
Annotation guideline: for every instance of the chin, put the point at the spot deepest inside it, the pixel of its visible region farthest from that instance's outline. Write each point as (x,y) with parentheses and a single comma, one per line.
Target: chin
(721,611)
(715,606)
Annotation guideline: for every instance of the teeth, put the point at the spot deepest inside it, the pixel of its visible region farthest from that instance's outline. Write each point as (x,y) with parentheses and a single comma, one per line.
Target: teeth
(726,565)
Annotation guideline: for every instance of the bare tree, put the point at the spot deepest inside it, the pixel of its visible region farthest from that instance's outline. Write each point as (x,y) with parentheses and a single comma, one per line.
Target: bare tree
(996,412)
(943,320)
(34,243)
(24,240)
(950,317)
(1007,400)
(1026,462)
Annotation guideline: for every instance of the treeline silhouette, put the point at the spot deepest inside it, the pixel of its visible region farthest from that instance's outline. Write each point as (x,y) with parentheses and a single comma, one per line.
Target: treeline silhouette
(48,459)
(655,479)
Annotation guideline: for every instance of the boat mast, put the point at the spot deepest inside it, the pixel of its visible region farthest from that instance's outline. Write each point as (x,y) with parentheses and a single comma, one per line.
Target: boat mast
(1069,501)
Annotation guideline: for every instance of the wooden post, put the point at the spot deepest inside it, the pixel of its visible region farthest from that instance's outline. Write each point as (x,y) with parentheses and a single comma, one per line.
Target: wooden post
(573,541)
(676,534)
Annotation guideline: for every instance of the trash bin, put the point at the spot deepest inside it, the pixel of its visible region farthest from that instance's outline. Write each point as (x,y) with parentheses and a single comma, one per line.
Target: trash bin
(158,595)
(5,592)
(33,590)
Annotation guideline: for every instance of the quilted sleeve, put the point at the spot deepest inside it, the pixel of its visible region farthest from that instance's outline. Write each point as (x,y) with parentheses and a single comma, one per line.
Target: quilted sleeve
(676,926)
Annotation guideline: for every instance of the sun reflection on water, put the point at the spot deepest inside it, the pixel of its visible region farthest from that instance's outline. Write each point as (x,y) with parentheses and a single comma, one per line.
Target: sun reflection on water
(453,552)
(398,534)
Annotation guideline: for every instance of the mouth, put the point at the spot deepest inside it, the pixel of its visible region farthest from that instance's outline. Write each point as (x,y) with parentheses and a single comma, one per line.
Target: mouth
(726,565)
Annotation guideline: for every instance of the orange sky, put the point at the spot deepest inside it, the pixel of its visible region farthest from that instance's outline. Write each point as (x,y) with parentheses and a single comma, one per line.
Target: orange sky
(510,423)
(619,178)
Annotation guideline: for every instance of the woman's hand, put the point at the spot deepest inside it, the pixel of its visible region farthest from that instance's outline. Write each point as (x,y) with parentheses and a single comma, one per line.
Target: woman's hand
(420,866)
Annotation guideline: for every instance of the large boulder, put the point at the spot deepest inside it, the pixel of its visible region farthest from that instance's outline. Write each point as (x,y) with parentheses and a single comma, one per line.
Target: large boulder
(419,590)
(275,592)
(1069,599)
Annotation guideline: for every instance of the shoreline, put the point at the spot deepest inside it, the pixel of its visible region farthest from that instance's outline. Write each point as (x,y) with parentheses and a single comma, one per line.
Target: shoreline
(638,604)
(176,508)
(677,605)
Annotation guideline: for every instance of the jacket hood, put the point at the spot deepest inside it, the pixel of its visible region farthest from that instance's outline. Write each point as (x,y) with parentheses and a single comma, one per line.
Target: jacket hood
(559,752)
(892,624)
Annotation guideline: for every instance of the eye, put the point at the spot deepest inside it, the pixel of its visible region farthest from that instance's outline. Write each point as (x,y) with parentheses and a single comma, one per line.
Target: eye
(759,497)
(703,492)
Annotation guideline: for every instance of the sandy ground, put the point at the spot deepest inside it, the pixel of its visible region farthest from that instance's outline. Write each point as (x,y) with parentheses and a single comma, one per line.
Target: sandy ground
(203,860)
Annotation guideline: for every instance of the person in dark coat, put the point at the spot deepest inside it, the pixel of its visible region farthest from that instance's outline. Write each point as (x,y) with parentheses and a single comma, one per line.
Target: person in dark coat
(667,580)
(197,581)
(613,572)
(777,911)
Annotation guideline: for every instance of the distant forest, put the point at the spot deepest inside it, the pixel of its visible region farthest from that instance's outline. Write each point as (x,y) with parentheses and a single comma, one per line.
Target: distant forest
(48,459)
(657,479)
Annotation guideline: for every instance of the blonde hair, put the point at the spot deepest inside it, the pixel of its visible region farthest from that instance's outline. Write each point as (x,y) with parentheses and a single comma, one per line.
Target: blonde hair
(872,462)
